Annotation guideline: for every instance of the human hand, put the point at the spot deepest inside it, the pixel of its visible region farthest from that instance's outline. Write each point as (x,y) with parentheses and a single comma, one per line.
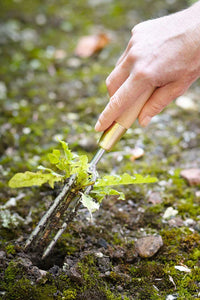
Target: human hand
(162,55)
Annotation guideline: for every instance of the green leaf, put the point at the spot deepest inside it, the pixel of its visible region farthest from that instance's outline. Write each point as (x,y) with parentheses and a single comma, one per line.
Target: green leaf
(89,203)
(101,192)
(68,154)
(54,157)
(29,179)
(110,180)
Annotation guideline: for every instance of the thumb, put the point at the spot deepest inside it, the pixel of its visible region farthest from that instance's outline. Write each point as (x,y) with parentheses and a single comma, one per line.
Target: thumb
(158,101)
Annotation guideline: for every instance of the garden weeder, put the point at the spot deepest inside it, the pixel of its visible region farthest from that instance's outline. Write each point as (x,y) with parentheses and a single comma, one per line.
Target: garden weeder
(65,206)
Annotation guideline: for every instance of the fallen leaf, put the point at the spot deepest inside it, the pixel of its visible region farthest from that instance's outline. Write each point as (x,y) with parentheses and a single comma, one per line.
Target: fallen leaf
(88,45)
(191,175)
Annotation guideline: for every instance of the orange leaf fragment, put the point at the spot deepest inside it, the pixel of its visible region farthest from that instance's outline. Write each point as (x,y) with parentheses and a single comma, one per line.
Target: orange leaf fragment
(88,45)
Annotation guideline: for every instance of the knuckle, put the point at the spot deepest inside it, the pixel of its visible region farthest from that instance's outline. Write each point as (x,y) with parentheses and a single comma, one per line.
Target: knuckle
(178,91)
(115,103)
(157,107)
(131,57)
(108,81)
(135,29)
(142,72)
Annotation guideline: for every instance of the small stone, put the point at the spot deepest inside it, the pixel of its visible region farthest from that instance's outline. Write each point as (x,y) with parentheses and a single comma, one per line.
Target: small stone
(118,253)
(74,62)
(3,90)
(41,19)
(197,194)
(60,54)
(101,242)
(136,153)
(99,254)
(191,175)
(176,222)
(170,212)
(172,297)
(189,222)
(104,264)
(2,255)
(75,275)
(154,198)
(186,103)
(119,288)
(148,246)
(107,273)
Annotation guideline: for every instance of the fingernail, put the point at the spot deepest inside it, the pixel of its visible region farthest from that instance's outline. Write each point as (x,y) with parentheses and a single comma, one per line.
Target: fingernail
(145,121)
(97,126)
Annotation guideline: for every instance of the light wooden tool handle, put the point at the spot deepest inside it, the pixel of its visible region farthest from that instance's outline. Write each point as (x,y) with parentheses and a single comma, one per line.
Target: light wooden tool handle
(113,134)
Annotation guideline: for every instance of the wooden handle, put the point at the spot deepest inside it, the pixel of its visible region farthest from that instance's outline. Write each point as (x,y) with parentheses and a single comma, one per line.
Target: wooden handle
(130,115)
(114,133)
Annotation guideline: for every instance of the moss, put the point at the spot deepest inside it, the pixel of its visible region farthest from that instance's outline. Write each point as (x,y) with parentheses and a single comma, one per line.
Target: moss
(69,294)
(10,249)
(21,290)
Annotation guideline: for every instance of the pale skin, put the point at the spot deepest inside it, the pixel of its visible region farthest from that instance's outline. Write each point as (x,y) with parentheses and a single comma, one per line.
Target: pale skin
(162,55)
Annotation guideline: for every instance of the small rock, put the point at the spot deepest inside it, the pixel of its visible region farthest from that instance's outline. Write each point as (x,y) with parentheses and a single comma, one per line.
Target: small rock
(2,255)
(54,270)
(154,198)
(197,194)
(197,226)
(25,262)
(136,153)
(118,253)
(170,212)
(148,246)
(107,273)
(101,242)
(59,54)
(189,222)
(75,275)
(74,62)
(191,175)
(3,90)
(104,264)
(186,103)
(119,288)
(99,254)
(176,222)
(172,297)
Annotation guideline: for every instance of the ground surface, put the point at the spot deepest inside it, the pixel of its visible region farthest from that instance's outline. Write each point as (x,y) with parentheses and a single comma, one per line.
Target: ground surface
(46,93)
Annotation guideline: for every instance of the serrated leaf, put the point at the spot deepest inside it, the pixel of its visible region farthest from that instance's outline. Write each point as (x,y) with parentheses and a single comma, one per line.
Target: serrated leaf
(54,157)
(101,192)
(29,179)
(89,203)
(110,180)
(68,154)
